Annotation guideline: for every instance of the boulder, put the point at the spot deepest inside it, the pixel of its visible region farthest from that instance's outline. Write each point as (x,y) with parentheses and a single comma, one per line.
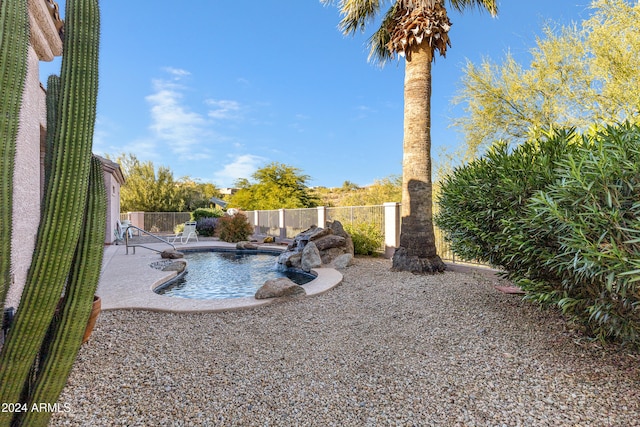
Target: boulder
(171,254)
(330,241)
(281,287)
(290,259)
(246,246)
(337,229)
(328,255)
(319,233)
(310,257)
(342,261)
(177,266)
(350,249)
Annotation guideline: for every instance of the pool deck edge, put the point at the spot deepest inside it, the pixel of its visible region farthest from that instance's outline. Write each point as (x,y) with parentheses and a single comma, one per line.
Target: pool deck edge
(127,283)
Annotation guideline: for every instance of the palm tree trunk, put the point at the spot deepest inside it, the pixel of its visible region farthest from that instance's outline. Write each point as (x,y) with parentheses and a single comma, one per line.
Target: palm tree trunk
(417,251)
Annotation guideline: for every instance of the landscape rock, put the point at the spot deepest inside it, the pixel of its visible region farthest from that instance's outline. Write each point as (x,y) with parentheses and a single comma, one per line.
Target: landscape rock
(310,257)
(319,233)
(342,261)
(171,254)
(328,255)
(290,260)
(281,287)
(177,266)
(331,242)
(246,246)
(337,229)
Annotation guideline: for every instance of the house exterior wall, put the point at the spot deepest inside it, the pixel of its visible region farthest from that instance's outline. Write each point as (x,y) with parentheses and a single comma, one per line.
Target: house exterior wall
(27,178)
(45,44)
(113,179)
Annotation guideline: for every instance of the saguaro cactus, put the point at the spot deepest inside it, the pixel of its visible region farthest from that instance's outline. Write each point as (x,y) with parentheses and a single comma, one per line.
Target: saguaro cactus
(67,333)
(14,40)
(59,235)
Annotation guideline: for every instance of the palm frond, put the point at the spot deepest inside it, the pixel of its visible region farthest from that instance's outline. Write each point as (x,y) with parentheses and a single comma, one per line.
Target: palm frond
(356,14)
(379,52)
(490,6)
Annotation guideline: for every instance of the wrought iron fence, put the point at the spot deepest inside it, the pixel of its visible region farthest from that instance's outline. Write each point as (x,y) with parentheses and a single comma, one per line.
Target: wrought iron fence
(160,222)
(268,223)
(442,246)
(357,215)
(298,220)
(295,221)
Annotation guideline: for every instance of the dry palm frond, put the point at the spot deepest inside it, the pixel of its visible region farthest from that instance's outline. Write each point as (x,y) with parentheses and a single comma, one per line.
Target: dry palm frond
(427,22)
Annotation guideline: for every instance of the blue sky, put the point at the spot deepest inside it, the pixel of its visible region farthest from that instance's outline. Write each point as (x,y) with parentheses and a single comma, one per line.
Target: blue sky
(216,89)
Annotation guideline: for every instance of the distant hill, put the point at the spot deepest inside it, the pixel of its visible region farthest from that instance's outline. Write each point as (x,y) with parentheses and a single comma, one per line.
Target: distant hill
(384,190)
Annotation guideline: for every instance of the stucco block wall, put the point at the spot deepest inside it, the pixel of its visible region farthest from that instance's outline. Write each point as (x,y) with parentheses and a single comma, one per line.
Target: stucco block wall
(113,205)
(27,178)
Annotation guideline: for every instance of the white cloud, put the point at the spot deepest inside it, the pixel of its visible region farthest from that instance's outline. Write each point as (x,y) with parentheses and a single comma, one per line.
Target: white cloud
(172,121)
(177,72)
(242,166)
(187,132)
(144,149)
(101,135)
(223,109)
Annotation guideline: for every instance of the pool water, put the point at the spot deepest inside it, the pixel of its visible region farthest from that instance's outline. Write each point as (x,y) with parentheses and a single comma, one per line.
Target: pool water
(220,275)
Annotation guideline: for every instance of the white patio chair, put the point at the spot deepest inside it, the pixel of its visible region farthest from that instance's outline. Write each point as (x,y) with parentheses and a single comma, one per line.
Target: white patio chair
(121,229)
(188,232)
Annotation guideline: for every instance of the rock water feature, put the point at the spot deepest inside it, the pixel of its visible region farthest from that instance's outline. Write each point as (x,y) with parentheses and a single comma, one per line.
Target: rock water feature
(313,248)
(317,247)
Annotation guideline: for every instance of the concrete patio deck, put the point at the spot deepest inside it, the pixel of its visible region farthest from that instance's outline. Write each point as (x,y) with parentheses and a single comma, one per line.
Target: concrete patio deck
(127,281)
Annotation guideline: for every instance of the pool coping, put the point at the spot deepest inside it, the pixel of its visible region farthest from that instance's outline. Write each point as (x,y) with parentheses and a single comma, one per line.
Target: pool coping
(127,282)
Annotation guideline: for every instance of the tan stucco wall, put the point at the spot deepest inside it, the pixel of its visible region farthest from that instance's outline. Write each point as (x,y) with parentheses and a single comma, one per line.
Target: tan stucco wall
(26,178)
(113,205)
(45,44)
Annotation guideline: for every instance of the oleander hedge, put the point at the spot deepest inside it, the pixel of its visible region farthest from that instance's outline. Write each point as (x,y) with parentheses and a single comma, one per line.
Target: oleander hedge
(561,216)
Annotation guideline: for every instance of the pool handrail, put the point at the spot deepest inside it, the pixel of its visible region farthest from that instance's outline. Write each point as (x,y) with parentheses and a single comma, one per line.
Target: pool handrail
(140,230)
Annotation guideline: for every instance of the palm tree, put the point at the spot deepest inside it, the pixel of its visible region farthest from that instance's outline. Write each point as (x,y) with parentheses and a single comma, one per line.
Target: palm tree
(415,29)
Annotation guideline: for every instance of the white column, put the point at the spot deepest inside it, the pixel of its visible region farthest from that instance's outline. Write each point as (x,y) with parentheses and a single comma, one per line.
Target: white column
(256,221)
(391,228)
(281,224)
(322,216)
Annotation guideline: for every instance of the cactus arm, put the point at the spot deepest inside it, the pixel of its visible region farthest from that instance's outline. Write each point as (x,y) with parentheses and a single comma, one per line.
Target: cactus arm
(53,97)
(83,281)
(64,202)
(14,41)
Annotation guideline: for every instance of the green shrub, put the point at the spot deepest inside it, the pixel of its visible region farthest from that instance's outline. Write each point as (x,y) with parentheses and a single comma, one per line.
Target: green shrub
(479,200)
(179,228)
(367,237)
(234,228)
(561,217)
(206,226)
(206,213)
(594,210)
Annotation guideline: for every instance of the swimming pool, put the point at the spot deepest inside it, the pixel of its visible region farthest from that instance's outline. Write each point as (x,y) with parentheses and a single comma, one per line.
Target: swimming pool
(216,274)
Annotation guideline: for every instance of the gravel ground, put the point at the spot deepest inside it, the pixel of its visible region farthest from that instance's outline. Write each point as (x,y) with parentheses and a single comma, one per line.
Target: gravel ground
(380,349)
